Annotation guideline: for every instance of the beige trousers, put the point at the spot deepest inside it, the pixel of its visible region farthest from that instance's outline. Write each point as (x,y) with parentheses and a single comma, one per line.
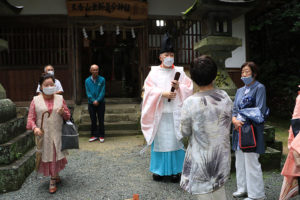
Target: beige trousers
(215,195)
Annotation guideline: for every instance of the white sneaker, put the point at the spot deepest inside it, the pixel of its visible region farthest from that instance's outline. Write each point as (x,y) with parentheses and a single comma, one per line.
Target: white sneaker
(248,198)
(238,194)
(101,139)
(92,139)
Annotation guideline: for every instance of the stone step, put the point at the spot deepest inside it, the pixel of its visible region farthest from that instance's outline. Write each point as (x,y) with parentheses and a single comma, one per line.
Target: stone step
(122,101)
(16,147)
(113,133)
(278,145)
(116,100)
(121,125)
(113,117)
(269,136)
(7,111)
(13,176)
(11,129)
(269,133)
(117,108)
(270,160)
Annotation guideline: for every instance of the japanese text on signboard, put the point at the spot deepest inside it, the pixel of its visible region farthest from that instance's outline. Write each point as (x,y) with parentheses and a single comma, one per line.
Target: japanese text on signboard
(109,8)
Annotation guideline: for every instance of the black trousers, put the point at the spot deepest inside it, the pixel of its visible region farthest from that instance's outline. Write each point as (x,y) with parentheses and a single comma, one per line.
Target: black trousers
(94,112)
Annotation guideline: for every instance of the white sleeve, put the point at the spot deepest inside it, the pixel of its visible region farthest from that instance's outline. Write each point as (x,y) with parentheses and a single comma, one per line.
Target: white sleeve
(58,86)
(38,89)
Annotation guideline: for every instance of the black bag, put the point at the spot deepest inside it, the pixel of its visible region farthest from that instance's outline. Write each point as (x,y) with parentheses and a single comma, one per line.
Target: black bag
(69,136)
(247,137)
(295,126)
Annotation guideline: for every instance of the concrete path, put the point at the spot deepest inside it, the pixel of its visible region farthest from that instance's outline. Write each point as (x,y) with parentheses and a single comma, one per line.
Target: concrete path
(114,170)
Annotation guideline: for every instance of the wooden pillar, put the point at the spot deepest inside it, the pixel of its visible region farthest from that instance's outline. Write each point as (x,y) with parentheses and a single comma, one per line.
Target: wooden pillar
(78,70)
(143,42)
(71,59)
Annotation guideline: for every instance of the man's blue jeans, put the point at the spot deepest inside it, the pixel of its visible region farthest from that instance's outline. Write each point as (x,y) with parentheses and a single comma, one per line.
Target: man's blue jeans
(94,112)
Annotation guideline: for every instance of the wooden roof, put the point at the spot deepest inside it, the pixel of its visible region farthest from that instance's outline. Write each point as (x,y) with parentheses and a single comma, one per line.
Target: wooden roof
(257,7)
(8,9)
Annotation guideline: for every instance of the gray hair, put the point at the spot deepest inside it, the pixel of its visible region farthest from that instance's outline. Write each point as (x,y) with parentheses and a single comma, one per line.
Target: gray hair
(47,66)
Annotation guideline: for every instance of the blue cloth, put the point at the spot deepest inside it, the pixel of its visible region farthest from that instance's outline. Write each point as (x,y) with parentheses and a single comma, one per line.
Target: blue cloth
(95,89)
(258,92)
(166,163)
(248,112)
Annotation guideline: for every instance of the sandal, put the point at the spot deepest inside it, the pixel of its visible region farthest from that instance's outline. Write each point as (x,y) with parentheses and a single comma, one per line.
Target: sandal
(52,187)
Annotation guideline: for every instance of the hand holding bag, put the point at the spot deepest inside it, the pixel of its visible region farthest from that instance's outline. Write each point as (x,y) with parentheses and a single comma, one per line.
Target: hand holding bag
(69,136)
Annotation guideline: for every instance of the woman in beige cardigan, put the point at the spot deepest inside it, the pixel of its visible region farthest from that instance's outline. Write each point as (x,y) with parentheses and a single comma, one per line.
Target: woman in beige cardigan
(53,159)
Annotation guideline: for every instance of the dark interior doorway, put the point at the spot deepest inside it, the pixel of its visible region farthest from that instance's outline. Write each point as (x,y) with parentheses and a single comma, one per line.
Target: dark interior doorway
(118,60)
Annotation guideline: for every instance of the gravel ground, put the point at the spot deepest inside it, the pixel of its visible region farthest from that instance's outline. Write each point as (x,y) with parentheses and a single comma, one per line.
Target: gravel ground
(114,170)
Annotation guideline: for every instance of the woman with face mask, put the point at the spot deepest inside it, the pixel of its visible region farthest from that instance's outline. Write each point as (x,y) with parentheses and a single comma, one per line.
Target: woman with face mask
(248,169)
(53,159)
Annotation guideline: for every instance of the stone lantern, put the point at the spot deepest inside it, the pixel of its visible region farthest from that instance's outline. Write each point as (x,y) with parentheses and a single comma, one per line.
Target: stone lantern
(216,29)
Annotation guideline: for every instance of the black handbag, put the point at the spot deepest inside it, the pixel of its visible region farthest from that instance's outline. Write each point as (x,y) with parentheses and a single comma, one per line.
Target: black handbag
(69,136)
(295,123)
(247,137)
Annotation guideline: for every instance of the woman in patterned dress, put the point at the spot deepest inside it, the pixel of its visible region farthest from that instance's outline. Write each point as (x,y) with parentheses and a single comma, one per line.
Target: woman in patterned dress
(53,159)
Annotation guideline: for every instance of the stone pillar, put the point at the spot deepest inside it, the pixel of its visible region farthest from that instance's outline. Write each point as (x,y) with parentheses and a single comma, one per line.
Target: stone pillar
(16,146)
(220,48)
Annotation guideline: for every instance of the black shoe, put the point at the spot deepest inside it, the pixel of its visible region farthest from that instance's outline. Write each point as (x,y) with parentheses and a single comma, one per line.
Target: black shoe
(157,177)
(175,178)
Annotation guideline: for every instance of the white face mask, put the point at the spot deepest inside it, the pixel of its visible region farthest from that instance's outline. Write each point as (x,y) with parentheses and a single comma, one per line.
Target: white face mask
(168,61)
(49,90)
(51,72)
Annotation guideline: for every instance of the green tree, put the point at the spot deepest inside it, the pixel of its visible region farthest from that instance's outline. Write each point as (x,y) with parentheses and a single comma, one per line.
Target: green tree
(273,39)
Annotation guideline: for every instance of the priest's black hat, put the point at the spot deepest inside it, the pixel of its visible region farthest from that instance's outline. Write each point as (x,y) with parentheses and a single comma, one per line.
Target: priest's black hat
(166,44)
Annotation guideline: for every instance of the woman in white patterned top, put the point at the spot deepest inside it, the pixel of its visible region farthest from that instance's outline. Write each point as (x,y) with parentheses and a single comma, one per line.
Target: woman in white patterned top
(206,120)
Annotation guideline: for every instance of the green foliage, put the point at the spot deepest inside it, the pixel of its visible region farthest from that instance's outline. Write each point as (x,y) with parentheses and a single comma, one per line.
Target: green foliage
(19,155)
(221,80)
(273,46)
(290,13)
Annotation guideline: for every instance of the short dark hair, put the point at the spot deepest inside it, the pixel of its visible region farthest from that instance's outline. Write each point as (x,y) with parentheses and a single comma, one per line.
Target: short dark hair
(252,66)
(203,70)
(44,77)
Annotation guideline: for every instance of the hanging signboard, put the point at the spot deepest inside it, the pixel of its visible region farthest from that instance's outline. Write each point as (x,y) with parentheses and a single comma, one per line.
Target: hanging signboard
(124,9)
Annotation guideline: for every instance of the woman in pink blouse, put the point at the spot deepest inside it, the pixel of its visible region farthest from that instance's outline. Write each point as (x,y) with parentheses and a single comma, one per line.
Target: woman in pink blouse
(53,159)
